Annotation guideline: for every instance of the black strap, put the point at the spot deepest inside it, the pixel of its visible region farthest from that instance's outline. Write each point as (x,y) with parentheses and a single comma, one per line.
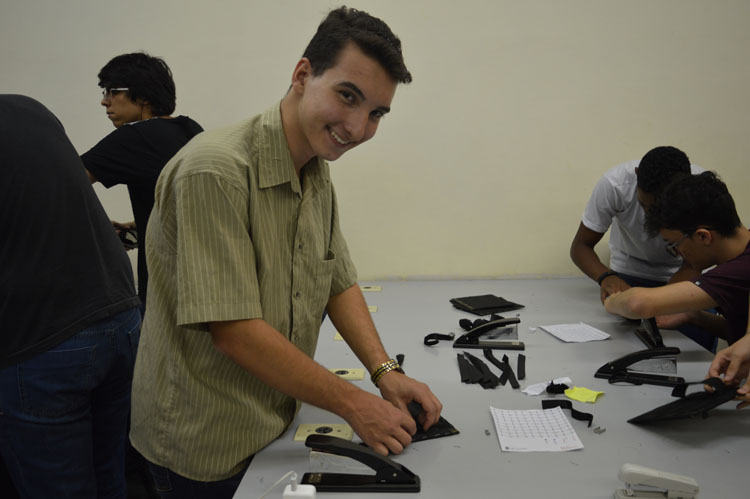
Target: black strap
(488,380)
(469,373)
(511,375)
(434,338)
(521,366)
(567,404)
(716,383)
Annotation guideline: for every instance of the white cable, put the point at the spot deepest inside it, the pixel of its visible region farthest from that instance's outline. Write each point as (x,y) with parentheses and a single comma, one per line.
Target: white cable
(280,480)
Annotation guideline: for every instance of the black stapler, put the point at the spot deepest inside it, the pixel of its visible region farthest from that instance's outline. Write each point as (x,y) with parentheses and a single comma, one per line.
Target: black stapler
(492,334)
(618,370)
(649,333)
(389,475)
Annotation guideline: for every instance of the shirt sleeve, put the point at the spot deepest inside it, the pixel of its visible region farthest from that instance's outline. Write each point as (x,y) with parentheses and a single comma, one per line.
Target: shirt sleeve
(604,203)
(344,273)
(216,264)
(118,158)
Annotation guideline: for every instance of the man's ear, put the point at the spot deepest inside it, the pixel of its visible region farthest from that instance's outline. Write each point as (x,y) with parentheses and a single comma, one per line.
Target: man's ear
(704,236)
(302,72)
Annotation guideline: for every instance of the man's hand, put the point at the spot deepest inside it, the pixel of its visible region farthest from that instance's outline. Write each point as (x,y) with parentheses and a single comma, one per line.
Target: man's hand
(400,389)
(612,285)
(379,424)
(123,225)
(734,363)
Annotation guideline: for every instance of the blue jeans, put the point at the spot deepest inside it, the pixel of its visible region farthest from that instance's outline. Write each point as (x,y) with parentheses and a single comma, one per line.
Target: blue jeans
(63,413)
(170,485)
(698,335)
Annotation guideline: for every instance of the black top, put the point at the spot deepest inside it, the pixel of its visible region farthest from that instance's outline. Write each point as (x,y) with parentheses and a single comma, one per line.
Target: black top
(134,155)
(62,267)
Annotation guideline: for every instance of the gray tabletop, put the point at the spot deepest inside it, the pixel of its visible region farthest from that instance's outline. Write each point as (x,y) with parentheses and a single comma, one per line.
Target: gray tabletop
(715,451)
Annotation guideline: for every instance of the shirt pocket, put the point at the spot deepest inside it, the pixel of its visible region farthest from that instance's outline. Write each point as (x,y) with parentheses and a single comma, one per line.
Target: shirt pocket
(322,276)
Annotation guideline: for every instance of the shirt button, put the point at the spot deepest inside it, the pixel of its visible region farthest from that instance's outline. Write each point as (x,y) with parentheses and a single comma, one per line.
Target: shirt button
(297,294)
(299,246)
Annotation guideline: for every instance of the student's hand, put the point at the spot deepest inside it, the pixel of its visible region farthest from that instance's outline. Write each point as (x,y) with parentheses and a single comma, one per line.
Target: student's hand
(381,426)
(673,321)
(734,363)
(400,389)
(123,225)
(612,285)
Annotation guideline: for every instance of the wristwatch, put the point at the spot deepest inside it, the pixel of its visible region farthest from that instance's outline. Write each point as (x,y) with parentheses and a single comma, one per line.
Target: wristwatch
(604,276)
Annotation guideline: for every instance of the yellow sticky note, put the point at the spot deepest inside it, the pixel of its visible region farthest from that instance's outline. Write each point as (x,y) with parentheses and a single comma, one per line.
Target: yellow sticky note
(582,394)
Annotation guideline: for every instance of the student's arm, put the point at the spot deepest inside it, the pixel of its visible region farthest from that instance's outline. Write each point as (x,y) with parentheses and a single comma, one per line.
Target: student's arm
(642,303)
(267,354)
(348,312)
(583,255)
(92,179)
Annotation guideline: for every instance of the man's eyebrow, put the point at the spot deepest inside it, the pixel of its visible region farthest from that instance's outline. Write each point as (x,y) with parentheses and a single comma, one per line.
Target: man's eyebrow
(354,88)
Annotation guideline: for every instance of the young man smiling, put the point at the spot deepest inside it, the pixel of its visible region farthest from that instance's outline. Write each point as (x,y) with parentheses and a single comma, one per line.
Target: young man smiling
(697,219)
(246,254)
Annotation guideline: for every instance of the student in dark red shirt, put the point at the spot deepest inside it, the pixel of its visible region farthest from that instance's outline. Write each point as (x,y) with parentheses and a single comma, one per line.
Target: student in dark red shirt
(697,219)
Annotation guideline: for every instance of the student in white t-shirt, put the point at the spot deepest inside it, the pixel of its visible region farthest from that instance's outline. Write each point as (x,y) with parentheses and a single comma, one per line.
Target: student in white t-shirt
(617,204)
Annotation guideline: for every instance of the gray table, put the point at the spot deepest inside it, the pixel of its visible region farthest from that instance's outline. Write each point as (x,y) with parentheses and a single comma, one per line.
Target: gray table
(715,451)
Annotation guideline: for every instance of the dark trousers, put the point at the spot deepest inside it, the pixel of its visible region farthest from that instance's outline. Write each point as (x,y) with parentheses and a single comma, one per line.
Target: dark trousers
(170,485)
(63,413)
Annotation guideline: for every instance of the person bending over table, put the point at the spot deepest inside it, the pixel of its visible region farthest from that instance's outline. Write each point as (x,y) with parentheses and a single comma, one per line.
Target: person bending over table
(697,219)
(245,253)
(618,202)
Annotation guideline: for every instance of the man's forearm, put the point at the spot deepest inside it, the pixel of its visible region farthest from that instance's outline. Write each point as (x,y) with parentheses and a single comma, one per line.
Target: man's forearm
(268,355)
(587,260)
(348,312)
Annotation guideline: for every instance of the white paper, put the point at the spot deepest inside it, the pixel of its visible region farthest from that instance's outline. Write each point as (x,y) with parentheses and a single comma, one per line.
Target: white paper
(539,388)
(534,430)
(576,333)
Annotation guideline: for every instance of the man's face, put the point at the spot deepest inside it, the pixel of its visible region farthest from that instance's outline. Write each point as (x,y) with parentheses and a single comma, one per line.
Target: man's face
(122,110)
(692,248)
(342,107)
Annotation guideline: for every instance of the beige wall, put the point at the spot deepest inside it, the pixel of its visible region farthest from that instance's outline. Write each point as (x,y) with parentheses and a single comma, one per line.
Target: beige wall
(486,162)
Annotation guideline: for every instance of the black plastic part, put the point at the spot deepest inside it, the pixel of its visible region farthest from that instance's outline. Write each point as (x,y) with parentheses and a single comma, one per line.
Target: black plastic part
(521,366)
(389,475)
(617,370)
(472,339)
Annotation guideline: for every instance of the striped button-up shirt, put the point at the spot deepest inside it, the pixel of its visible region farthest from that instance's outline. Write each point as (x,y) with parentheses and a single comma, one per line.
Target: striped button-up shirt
(234,234)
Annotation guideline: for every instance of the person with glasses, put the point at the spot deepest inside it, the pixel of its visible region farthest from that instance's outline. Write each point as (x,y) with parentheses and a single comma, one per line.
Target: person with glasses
(139,97)
(697,220)
(250,254)
(618,205)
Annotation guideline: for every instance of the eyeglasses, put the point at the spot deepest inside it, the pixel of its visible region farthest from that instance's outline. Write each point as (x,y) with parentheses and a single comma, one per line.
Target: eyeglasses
(672,247)
(108,93)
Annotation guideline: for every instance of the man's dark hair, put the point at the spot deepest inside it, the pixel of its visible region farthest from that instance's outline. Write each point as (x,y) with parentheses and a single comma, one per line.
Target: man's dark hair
(694,201)
(659,166)
(148,78)
(370,34)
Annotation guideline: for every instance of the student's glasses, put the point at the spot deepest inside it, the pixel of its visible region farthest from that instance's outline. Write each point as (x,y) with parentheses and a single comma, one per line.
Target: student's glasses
(672,247)
(108,93)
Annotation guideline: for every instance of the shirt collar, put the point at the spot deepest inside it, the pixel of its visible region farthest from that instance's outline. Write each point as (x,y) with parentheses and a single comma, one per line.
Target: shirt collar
(275,165)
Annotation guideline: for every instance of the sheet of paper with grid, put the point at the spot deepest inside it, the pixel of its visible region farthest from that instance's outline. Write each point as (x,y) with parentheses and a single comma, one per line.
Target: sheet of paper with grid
(534,430)
(575,333)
